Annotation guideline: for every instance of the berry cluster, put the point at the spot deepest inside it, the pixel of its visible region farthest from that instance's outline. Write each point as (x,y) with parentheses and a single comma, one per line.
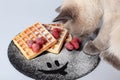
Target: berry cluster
(36,44)
(73,44)
(56,32)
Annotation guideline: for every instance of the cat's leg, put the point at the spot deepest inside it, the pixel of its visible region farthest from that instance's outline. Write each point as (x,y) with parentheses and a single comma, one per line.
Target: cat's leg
(90,48)
(99,43)
(110,58)
(112,54)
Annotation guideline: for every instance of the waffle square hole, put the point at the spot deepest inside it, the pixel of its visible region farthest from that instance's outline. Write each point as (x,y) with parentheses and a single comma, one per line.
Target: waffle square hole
(39,35)
(24,48)
(42,31)
(33,38)
(30,36)
(26,32)
(25,39)
(22,45)
(58,42)
(45,33)
(60,38)
(19,42)
(39,28)
(48,36)
(36,32)
(50,39)
(16,39)
(53,47)
(20,35)
(27,53)
(37,25)
(32,28)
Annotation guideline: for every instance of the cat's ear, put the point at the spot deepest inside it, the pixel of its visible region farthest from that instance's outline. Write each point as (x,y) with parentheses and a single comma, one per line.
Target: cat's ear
(58,9)
(63,17)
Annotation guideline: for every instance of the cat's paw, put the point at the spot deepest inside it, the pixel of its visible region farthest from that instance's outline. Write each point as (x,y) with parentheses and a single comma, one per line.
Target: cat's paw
(110,58)
(90,49)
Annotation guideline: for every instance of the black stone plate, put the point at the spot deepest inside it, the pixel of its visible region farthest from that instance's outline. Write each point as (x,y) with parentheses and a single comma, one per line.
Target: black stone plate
(68,65)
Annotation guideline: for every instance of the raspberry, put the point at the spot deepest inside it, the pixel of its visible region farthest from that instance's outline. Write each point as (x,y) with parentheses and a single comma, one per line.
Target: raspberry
(30,43)
(55,34)
(69,46)
(75,44)
(44,40)
(36,47)
(76,39)
(40,40)
(57,30)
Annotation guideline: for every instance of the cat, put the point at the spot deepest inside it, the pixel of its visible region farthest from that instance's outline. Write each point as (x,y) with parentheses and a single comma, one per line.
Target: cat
(82,17)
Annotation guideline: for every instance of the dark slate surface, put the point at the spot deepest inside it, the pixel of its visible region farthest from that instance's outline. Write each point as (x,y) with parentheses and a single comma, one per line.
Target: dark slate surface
(68,65)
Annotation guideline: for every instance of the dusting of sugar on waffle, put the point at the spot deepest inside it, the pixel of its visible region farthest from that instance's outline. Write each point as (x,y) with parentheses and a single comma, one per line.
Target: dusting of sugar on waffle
(32,32)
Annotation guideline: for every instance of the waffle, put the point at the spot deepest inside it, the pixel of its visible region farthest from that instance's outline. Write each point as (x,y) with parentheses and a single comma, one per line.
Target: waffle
(32,32)
(57,47)
(69,38)
(49,26)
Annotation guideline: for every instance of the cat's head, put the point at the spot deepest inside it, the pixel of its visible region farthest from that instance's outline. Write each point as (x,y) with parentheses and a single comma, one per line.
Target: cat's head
(80,17)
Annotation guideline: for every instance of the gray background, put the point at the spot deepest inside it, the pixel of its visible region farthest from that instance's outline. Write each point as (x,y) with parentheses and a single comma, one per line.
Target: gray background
(15,16)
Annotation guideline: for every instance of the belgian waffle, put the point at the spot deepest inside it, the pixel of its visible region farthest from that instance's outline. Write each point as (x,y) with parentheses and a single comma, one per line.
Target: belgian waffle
(32,32)
(57,47)
(69,38)
(49,26)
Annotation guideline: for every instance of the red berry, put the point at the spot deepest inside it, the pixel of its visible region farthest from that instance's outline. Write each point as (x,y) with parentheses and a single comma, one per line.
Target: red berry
(36,47)
(40,40)
(55,34)
(57,30)
(75,44)
(44,40)
(76,39)
(30,43)
(69,46)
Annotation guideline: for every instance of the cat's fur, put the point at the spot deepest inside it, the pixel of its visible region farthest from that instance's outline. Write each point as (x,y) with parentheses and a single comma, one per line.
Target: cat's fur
(81,17)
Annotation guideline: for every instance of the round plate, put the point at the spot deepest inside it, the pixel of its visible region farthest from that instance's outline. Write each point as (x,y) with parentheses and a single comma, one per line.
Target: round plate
(67,65)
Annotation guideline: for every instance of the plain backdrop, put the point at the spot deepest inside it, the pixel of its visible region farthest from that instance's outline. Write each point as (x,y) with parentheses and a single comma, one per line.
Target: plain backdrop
(15,16)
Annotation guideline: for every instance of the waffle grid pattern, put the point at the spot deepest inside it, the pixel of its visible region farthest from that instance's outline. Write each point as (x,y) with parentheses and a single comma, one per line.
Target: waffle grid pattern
(57,47)
(32,32)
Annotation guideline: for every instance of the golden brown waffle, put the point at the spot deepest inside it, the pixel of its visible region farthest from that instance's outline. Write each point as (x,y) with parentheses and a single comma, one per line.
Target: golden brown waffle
(32,32)
(49,26)
(57,47)
(69,38)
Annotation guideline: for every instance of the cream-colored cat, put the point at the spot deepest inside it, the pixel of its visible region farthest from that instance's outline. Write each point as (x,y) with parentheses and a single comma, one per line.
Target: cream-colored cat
(81,17)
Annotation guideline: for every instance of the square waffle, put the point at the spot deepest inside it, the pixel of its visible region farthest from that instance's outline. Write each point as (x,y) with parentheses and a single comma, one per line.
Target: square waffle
(57,47)
(32,32)
(49,26)
(68,38)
